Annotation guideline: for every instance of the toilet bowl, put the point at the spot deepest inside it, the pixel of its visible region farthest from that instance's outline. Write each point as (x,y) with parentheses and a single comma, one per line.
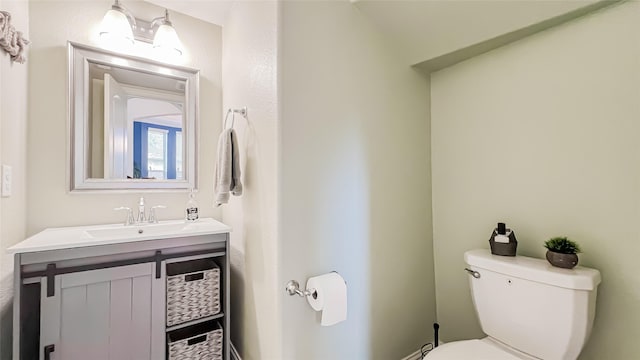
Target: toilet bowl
(529,309)
(477,349)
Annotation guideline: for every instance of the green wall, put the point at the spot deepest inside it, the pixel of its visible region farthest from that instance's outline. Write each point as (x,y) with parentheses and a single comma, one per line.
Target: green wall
(544,134)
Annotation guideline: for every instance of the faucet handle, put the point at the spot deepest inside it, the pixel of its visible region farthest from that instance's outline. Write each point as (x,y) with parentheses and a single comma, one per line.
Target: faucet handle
(141,213)
(129,219)
(152,213)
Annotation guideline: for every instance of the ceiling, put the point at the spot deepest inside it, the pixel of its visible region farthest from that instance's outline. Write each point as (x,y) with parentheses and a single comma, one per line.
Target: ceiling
(427,29)
(213,11)
(438,31)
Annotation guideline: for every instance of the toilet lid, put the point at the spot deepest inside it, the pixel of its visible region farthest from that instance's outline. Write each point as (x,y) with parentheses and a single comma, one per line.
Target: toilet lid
(470,349)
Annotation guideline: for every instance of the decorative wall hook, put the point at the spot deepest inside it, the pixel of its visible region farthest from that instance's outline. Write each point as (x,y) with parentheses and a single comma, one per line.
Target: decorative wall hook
(12,41)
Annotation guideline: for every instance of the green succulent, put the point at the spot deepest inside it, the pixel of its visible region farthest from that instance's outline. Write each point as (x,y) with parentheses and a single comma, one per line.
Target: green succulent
(561,244)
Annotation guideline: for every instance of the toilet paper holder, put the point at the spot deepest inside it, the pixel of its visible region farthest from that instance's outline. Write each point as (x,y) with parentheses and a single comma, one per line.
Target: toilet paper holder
(293,288)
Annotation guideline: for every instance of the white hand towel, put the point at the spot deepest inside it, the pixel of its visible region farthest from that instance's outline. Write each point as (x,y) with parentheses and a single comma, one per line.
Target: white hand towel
(227,174)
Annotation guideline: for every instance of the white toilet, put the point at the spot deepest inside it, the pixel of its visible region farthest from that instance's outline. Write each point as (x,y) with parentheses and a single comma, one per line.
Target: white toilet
(528,308)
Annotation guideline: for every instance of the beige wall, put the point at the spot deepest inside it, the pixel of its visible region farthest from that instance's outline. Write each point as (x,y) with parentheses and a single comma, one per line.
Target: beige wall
(49,202)
(543,134)
(250,78)
(355,185)
(13,152)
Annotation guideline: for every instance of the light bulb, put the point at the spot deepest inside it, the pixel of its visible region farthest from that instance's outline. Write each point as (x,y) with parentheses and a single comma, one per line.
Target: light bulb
(166,41)
(115,29)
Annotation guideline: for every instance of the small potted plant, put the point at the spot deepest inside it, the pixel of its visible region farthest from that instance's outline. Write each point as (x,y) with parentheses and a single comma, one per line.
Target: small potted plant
(562,252)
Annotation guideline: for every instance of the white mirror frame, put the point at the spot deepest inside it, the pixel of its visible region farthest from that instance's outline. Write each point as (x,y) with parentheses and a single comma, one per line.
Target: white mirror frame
(78,116)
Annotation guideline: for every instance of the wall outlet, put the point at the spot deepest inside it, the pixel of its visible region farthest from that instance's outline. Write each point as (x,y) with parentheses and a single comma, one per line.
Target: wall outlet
(6,180)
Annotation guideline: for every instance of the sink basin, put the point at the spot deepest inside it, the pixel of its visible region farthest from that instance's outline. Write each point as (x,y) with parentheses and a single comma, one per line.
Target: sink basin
(94,235)
(115,231)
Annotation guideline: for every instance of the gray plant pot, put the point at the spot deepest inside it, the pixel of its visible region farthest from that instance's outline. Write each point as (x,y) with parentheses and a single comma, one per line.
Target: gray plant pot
(565,261)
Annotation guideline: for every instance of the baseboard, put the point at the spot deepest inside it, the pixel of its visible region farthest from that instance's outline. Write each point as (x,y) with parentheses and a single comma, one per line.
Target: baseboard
(234,352)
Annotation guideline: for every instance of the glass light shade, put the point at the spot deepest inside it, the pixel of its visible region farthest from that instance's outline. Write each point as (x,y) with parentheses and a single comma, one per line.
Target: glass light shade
(115,28)
(166,40)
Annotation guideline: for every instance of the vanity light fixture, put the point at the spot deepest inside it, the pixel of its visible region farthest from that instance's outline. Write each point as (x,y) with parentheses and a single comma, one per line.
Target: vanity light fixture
(120,28)
(115,27)
(165,38)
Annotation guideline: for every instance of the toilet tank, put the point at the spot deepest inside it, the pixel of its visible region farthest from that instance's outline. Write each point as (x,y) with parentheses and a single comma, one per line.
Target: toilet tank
(531,306)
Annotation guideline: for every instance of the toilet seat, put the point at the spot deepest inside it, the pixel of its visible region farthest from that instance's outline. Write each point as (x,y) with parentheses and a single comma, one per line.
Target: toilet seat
(476,349)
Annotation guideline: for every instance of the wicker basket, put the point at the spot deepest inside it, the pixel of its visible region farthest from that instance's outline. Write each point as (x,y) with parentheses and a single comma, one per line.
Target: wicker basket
(199,342)
(504,249)
(193,290)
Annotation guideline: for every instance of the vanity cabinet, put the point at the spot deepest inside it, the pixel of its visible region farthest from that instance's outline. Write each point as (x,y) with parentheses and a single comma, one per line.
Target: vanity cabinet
(105,297)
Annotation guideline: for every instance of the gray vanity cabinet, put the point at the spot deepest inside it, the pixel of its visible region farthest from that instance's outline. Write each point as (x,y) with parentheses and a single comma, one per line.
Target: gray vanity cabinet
(109,313)
(102,299)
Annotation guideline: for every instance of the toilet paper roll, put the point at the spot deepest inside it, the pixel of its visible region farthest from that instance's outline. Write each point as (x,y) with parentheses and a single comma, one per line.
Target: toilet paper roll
(329,295)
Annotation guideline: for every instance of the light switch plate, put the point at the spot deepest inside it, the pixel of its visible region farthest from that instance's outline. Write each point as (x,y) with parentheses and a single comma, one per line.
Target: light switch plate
(6,180)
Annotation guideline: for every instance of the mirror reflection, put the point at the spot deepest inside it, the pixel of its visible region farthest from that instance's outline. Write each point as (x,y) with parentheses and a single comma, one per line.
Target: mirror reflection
(136,124)
(133,122)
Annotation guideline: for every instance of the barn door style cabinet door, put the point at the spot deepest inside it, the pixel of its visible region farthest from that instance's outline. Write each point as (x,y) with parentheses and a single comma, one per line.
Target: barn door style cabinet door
(123,298)
(106,313)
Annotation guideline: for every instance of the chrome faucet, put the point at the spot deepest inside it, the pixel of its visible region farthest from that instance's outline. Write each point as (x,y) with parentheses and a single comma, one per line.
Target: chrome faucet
(141,215)
(129,219)
(153,218)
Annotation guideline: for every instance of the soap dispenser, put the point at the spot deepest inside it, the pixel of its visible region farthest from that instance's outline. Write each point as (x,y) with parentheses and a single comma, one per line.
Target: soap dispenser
(192,207)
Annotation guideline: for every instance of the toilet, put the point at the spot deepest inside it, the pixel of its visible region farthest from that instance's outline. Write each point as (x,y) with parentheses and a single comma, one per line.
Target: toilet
(528,309)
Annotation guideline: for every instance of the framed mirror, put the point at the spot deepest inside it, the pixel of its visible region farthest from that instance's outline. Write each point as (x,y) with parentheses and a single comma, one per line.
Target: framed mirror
(132,121)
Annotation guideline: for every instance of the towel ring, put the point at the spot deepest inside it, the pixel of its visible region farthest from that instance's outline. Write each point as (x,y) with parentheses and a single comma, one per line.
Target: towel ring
(233,112)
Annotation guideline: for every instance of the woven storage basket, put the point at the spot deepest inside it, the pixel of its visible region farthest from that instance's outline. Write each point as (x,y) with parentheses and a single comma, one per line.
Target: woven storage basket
(193,290)
(504,249)
(193,344)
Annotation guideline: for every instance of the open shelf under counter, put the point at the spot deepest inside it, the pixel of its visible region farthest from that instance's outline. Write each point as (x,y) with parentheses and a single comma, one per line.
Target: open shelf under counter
(194,322)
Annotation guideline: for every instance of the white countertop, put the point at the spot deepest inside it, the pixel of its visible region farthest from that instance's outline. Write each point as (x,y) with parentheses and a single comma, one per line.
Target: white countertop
(95,235)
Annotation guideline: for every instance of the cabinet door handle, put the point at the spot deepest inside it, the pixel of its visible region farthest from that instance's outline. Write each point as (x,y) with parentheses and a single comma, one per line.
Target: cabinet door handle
(48,350)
